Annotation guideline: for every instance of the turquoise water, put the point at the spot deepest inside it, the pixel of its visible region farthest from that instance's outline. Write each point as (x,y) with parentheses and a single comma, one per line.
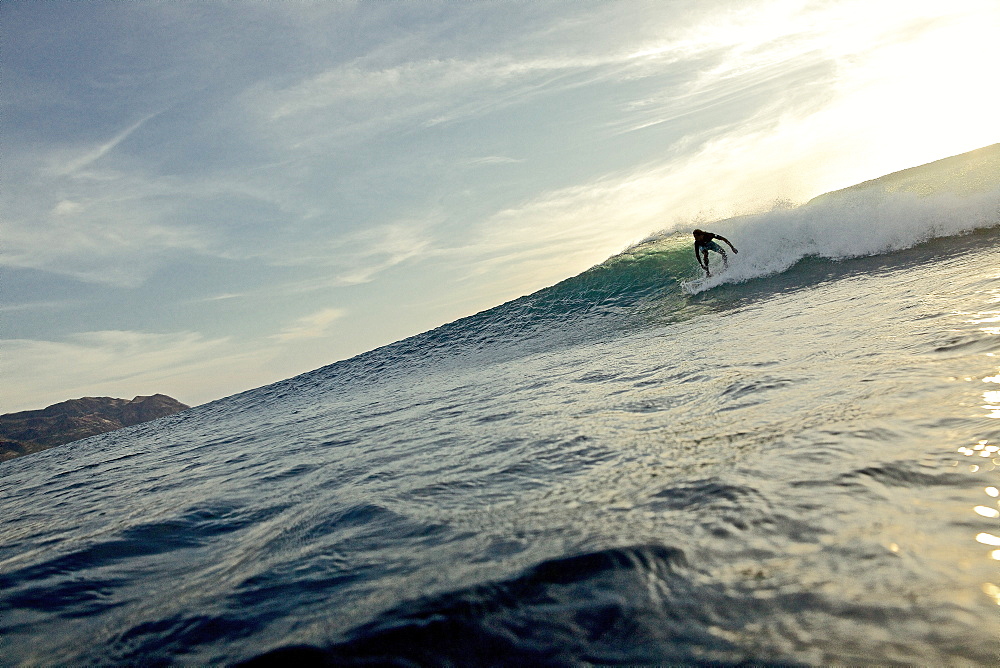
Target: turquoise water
(797,465)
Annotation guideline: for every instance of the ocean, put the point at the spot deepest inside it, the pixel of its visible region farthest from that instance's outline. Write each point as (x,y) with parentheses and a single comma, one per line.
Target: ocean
(796,465)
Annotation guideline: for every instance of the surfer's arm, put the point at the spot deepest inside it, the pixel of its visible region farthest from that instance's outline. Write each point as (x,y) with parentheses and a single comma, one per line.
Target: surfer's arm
(728,243)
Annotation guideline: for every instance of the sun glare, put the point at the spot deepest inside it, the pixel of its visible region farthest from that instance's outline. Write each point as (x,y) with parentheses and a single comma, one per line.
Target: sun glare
(933,94)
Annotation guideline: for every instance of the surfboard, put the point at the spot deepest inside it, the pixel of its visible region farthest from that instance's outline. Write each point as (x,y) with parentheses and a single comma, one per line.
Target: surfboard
(696,285)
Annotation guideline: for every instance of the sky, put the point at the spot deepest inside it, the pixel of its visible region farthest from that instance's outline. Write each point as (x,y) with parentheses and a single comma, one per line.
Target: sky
(198,198)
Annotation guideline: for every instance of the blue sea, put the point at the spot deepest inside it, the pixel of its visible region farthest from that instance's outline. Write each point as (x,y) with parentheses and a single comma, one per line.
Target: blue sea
(799,464)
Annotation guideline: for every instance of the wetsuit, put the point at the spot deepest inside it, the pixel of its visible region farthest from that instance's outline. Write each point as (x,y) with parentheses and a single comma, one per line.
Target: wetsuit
(703,242)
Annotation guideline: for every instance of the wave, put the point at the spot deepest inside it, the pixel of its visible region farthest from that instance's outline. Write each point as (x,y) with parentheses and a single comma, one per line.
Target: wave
(948,198)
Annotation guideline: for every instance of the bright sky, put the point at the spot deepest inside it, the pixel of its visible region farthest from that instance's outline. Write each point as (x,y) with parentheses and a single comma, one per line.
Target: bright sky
(199,198)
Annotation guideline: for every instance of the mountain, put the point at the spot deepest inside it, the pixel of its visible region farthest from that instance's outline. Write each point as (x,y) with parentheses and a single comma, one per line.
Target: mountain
(32,431)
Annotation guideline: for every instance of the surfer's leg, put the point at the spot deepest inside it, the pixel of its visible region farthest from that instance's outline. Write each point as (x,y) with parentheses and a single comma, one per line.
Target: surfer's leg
(725,260)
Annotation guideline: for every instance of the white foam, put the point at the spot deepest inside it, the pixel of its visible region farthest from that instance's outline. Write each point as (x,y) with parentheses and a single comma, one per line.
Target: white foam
(850,224)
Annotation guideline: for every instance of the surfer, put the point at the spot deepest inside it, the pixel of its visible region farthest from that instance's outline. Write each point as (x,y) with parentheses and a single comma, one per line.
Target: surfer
(703,242)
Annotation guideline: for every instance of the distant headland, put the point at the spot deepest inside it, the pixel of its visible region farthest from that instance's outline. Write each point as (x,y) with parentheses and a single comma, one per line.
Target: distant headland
(28,432)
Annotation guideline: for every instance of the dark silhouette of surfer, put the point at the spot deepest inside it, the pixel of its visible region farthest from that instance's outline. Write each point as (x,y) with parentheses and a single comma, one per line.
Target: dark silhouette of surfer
(703,242)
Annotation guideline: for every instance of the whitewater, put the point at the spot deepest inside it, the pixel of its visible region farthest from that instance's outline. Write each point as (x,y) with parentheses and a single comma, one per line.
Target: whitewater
(797,465)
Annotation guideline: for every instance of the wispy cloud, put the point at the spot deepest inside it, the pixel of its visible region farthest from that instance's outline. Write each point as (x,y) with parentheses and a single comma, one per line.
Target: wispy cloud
(66,165)
(358,257)
(312,326)
(361,99)
(495,160)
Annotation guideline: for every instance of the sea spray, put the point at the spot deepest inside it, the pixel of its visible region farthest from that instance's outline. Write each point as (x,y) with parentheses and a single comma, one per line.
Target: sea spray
(881,216)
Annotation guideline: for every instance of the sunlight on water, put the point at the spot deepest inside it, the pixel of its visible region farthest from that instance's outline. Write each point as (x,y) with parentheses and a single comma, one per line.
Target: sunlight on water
(982,449)
(987,511)
(992,399)
(987,539)
(990,589)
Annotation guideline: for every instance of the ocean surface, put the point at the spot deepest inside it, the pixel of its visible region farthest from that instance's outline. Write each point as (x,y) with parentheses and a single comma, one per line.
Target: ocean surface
(798,465)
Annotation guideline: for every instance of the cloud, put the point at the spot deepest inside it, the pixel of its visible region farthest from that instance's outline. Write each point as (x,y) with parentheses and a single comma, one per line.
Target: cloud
(351,102)
(440,69)
(495,160)
(108,233)
(65,165)
(357,258)
(92,214)
(313,326)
